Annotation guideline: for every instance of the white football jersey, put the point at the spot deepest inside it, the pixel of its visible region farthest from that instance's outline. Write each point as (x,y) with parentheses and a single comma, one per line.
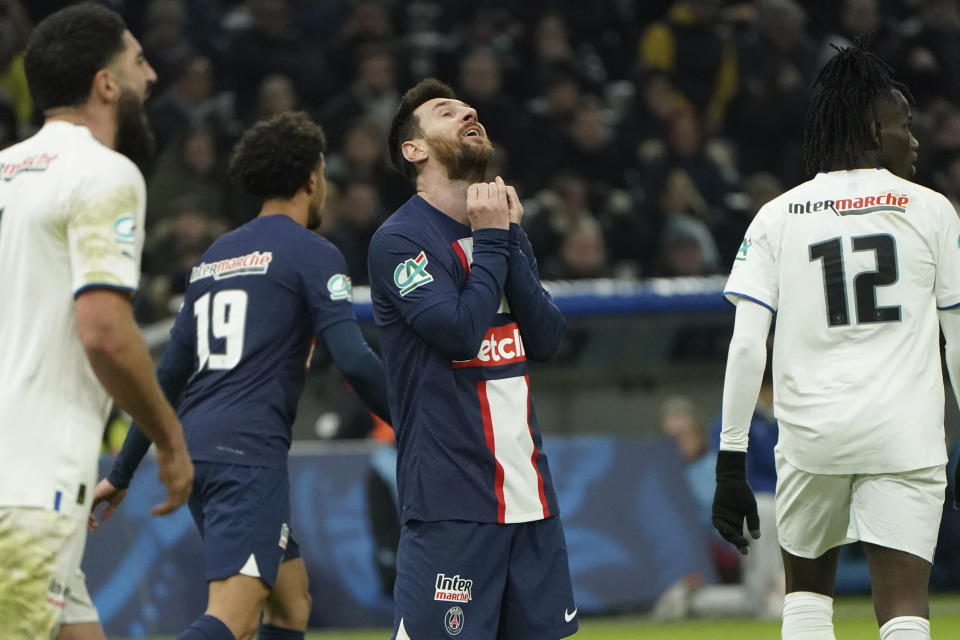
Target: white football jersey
(855,265)
(71,218)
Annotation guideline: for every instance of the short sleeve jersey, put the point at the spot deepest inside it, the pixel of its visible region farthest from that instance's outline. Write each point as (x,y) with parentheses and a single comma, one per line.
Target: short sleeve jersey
(253,305)
(71,218)
(855,265)
(469,447)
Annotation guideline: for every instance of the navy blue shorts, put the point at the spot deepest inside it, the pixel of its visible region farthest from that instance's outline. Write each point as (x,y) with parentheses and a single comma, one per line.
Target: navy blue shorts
(483,581)
(243,515)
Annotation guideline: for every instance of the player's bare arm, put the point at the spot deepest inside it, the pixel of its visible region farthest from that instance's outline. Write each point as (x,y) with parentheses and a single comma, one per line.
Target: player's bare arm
(120,359)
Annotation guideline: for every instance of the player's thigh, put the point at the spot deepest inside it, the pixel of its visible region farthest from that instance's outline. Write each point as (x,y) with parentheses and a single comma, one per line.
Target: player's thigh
(900,511)
(243,513)
(288,604)
(538,601)
(898,581)
(39,551)
(81,631)
(813,510)
(450,579)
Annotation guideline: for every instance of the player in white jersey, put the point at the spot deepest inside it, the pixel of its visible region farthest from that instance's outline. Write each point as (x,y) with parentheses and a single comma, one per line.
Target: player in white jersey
(858,264)
(71,233)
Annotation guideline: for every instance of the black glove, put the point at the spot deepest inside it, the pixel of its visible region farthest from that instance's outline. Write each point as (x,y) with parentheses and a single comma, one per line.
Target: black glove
(733,500)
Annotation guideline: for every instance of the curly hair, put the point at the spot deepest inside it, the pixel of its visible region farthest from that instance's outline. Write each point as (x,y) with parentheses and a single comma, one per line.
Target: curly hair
(837,132)
(405,126)
(275,157)
(67,49)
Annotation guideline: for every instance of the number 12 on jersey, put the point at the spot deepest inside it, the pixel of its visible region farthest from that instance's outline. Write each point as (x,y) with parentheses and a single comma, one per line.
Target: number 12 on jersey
(225,317)
(865,283)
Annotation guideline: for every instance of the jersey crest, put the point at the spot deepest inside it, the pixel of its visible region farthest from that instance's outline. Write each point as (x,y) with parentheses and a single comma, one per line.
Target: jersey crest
(412,273)
(340,286)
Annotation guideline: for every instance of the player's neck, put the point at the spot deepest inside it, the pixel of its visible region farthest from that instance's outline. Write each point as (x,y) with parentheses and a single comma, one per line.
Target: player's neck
(870,161)
(448,196)
(101,123)
(291,208)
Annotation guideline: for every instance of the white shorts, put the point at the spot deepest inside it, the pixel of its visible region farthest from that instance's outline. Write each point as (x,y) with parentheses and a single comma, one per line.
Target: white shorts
(816,512)
(41,585)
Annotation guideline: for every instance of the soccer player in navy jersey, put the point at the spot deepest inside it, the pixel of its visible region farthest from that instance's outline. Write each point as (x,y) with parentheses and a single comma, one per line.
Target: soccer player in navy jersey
(235,366)
(460,308)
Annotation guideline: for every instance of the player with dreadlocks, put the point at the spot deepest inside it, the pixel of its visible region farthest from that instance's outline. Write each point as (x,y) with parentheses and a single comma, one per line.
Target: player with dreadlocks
(858,264)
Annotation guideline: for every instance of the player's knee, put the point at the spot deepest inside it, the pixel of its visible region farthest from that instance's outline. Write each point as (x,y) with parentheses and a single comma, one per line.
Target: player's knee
(303,606)
(247,629)
(291,611)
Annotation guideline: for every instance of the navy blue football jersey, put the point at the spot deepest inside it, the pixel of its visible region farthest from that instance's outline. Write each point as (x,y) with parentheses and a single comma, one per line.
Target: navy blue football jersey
(468,443)
(254,303)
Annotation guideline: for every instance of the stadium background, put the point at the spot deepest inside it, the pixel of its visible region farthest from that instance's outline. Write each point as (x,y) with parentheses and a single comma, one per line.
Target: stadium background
(642,137)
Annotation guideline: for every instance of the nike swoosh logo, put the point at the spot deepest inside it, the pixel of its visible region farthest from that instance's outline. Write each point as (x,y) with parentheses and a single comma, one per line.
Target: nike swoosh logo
(569,616)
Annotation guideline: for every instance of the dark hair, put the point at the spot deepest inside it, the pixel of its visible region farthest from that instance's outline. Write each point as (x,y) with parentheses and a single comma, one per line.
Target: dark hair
(838,128)
(275,157)
(405,126)
(67,49)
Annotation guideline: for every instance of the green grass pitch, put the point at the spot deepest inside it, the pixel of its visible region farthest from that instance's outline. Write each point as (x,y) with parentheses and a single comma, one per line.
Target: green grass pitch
(853,621)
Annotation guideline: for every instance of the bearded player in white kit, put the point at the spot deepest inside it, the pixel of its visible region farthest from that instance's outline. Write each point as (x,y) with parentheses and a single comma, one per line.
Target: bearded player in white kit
(71,233)
(857,264)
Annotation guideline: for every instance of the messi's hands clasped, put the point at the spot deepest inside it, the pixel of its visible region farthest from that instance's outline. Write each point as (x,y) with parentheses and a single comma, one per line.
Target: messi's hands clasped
(733,500)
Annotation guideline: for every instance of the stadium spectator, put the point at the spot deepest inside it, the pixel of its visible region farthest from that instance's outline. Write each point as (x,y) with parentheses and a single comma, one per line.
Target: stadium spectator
(8,122)
(275,95)
(165,39)
(191,165)
(440,268)
(179,239)
(373,95)
(692,45)
(556,210)
(647,116)
(366,24)
(272,44)
(867,20)
(551,111)
(833,486)
(359,213)
(74,204)
(582,253)
(361,157)
(238,403)
(15,28)
(929,60)
(189,102)
(590,150)
(777,66)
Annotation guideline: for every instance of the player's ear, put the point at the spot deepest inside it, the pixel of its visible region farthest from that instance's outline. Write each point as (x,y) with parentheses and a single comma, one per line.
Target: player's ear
(877,131)
(313,182)
(414,151)
(105,86)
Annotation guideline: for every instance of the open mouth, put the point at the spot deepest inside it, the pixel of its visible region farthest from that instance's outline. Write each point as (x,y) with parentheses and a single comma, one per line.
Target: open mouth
(472,132)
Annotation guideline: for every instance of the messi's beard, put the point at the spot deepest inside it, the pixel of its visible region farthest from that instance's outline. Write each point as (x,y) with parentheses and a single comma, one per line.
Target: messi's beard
(463,160)
(134,137)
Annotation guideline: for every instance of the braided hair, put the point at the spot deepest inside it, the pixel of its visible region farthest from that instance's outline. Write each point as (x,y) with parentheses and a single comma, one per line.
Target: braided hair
(838,129)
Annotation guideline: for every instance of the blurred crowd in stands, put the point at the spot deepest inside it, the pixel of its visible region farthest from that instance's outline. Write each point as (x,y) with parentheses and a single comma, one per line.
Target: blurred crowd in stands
(642,136)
